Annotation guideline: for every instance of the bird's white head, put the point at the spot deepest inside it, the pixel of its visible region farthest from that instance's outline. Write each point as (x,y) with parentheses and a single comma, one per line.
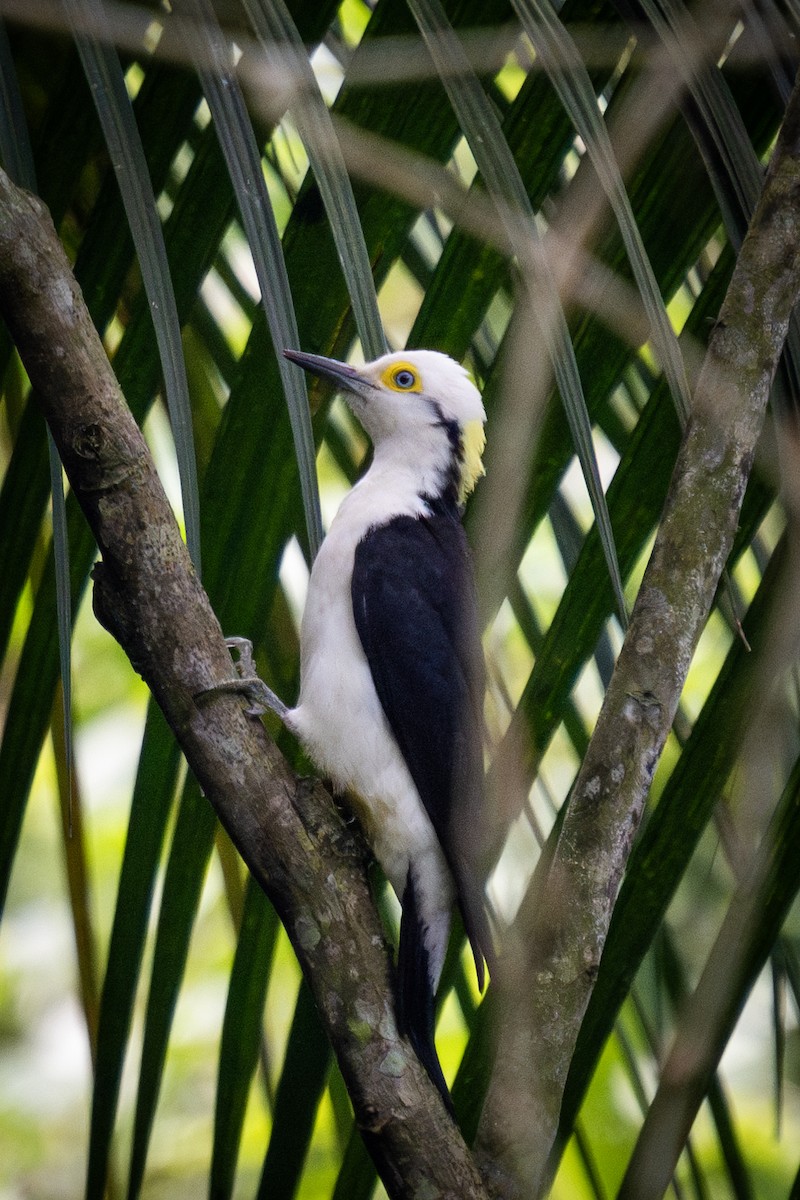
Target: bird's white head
(409,394)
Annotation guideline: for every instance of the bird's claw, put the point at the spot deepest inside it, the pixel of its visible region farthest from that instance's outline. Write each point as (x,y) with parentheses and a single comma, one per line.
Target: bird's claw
(243,658)
(262,699)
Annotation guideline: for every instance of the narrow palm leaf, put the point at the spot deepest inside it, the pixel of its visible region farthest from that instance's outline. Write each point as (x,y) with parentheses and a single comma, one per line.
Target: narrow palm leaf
(751,926)
(242,1033)
(63,605)
(730,1147)
(150,810)
(107,83)
(31,700)
(15,146)
(357,1175)
(17,155)
(277,32)
(467,275)
(238,142)
(502,179)
(305,1069)
(569,77)
(190,852)
(731,161)
(78,873)
(164,103)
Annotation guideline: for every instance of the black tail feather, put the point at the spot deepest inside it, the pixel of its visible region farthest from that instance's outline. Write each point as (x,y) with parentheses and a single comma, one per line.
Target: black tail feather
(415,1006)
(476,927)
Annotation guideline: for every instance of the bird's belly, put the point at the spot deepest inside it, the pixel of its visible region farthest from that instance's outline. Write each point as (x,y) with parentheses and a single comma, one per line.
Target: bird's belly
(341,725)
(343,729)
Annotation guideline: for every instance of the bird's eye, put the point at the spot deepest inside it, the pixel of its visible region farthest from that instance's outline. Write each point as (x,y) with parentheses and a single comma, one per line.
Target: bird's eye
(404,378)
(401,376)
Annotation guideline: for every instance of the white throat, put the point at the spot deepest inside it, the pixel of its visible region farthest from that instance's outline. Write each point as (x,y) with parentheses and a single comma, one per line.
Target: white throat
(407,476)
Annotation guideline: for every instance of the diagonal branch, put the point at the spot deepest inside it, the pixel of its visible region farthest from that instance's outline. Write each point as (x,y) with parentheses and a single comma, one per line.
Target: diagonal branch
(310,864)
(562,928)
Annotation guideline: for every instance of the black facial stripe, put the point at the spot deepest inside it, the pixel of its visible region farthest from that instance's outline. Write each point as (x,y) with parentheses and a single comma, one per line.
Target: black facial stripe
(451,428)
(452,477)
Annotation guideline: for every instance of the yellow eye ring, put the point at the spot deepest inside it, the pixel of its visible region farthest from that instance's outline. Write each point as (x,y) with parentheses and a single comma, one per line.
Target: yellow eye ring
(401,377)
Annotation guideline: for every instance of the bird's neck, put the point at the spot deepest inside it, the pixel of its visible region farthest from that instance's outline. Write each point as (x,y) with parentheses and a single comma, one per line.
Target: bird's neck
(429,474)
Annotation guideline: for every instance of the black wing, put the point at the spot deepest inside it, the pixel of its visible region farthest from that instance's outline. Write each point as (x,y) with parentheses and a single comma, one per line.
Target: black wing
(415,611)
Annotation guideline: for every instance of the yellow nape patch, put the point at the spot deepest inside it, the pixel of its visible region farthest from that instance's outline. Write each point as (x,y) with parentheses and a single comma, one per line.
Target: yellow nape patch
(473,440)
(402,377)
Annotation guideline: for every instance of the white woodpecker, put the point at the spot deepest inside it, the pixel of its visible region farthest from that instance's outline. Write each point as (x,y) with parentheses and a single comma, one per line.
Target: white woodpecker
(392,672)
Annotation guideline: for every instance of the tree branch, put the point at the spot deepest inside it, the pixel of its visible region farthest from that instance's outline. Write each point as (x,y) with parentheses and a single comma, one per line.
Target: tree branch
(310,864)
(559,936)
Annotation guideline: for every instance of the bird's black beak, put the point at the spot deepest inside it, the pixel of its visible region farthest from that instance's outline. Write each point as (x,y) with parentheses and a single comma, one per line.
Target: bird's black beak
(342,374)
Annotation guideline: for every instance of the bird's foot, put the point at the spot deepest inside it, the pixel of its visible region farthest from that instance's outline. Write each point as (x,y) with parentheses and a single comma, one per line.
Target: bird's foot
(262,699)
